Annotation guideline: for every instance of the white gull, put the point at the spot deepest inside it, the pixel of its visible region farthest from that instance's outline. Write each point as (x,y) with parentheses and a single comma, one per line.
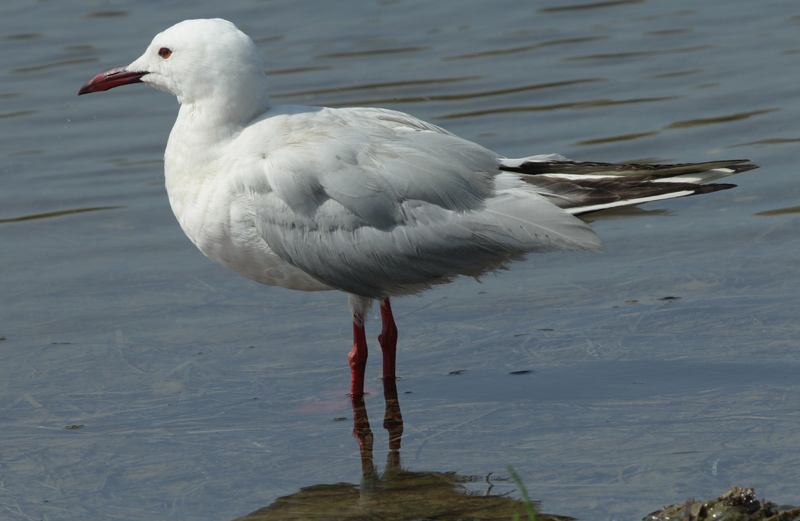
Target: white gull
(373,202)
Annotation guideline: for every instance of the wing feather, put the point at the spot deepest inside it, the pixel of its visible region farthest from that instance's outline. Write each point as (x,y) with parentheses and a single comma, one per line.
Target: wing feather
(392,206)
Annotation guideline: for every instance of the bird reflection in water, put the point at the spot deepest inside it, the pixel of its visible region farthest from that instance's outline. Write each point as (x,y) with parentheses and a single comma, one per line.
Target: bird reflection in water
(397,494)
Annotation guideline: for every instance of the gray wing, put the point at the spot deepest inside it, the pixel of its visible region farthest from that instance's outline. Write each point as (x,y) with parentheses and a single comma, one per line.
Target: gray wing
(378,203)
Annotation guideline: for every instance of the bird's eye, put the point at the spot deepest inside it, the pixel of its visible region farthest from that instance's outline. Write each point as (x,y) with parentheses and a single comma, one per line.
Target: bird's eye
(164,52)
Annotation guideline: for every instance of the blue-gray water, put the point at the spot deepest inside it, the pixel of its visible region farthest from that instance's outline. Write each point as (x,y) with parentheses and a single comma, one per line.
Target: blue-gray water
(202,395)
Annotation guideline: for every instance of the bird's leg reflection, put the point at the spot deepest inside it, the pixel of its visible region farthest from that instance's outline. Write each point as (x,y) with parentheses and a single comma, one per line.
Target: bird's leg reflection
(363,434)
(392,418)
(392,422)
(396,493)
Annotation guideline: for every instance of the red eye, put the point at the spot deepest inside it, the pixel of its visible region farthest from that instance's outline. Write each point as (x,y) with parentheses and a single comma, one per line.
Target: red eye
(164,52)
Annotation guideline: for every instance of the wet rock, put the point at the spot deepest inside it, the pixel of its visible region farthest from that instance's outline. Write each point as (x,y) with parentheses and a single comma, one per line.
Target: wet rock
(738,504)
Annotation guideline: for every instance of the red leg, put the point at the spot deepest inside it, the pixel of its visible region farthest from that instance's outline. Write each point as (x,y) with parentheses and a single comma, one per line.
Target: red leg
(388,340)
(358,358)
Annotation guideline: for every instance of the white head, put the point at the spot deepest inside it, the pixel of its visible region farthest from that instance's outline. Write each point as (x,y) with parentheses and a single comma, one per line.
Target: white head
(201,62)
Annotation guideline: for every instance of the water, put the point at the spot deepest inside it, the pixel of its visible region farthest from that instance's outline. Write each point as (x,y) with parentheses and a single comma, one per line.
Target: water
(196,394)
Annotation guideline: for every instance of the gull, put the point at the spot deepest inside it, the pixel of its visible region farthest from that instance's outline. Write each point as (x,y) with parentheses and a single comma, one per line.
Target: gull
(372,202)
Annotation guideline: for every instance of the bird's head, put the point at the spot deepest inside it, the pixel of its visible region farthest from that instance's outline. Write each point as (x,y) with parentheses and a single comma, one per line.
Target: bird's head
(195,60)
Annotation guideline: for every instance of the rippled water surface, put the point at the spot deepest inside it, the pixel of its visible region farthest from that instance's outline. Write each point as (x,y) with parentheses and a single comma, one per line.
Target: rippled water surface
(140,381)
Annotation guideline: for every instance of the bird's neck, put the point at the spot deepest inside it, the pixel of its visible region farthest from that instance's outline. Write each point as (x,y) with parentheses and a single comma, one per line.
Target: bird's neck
(206,125)
(220,116)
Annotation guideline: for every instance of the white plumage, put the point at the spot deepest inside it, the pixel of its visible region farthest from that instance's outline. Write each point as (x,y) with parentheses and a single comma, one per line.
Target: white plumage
(369,201)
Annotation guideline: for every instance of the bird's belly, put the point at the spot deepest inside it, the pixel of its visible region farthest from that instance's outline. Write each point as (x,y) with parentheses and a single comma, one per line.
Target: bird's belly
(236,244)
(257,262)
(261,265)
